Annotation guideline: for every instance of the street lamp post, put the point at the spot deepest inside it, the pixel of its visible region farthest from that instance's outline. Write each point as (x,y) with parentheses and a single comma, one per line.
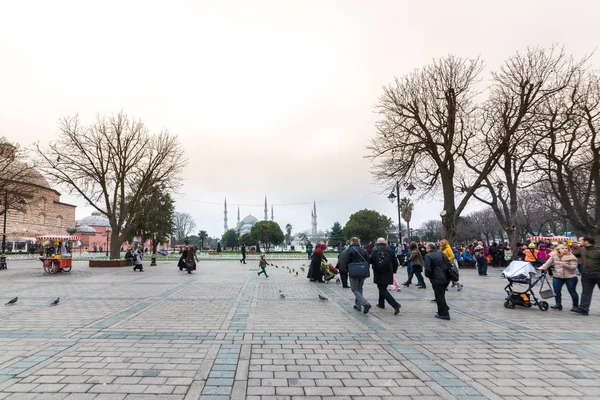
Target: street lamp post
(107,240)
(410,188)
(3,255)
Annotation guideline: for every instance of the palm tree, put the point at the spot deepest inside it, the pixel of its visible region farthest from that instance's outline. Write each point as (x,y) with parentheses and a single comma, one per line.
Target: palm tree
(406,209)
(201,236)
(288,229)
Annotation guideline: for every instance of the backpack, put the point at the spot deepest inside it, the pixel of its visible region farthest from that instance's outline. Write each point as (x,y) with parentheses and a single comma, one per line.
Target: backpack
(383,261)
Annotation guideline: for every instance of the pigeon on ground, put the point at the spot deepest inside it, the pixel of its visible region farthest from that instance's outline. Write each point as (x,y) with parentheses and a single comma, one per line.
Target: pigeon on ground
(271,265)
(289,272)
(323,298)
(12,301)
(296,274)
(276,266)
(301,269)
(55,302)
(281,295)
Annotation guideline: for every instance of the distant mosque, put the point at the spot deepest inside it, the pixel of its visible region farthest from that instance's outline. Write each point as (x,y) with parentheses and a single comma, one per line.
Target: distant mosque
(245,225)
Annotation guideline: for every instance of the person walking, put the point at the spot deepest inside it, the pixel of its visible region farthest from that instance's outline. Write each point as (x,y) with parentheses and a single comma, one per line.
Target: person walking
(447,250)
(138,261)
(436,269)
(314,270)
(417,267)
(243,249)
(564,264)
(263,266)
(309,250)
(590,278)
(354,253)
(481,263)
(384,264)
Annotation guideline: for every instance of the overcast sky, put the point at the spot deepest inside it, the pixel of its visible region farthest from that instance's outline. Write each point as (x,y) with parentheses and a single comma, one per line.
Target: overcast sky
(268,97)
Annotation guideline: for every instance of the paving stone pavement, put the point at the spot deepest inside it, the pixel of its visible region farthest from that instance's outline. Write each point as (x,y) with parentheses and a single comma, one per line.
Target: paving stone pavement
(224,333)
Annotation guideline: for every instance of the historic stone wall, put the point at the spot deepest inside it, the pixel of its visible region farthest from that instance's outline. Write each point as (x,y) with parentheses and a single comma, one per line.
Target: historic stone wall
(43,214)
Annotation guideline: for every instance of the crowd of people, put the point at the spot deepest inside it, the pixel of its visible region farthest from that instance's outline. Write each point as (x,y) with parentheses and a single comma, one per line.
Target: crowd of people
(560,261)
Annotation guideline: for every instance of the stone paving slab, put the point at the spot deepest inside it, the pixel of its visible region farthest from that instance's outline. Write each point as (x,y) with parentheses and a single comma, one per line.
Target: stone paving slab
(224,333)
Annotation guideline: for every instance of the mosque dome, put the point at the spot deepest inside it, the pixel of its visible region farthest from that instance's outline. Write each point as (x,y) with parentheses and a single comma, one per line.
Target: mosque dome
(249,220)
(85,229)
(96,219)
(15,168)
(246,224)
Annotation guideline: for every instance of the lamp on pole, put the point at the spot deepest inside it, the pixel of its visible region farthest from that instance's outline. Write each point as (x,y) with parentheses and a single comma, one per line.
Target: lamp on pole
(162,202)
(410,188)
(3,255)
(107,240)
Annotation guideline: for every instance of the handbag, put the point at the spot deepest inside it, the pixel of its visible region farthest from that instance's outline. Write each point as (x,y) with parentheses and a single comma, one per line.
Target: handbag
(548,293)
(359,269)
(452,273)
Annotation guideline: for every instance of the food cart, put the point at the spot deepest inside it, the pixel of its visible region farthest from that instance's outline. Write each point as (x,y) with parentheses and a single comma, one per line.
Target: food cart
(57,252)
(569,240)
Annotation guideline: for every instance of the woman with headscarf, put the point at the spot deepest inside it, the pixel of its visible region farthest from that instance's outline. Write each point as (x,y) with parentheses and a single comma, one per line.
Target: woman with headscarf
(314,271)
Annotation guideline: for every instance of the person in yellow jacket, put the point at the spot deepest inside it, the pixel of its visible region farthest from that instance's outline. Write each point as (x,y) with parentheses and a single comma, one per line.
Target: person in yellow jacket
(447,250)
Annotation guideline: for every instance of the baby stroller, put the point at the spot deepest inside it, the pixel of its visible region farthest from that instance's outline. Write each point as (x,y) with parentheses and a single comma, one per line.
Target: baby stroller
(329,271)
(523,273)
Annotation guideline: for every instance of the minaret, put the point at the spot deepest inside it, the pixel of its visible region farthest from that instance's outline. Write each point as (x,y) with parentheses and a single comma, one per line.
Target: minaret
(266,209)
(225,216)
(313,215)
(271,212)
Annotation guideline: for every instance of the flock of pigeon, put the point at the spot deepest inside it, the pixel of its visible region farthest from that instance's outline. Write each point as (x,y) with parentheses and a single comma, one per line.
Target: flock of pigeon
(281,294)
(14,301)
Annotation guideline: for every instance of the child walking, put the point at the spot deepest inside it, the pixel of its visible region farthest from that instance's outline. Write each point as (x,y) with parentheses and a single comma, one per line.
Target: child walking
(138,261)
(263,266)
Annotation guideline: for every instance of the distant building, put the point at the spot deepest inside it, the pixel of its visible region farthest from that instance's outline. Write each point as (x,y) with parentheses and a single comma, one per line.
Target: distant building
(92,230)
(43,213)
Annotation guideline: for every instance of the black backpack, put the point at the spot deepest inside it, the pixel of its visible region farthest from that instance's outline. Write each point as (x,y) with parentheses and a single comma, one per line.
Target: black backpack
(382,260)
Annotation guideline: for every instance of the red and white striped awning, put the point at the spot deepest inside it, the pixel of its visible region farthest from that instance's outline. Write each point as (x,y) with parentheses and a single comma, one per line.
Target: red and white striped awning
(552,238)
(57,237)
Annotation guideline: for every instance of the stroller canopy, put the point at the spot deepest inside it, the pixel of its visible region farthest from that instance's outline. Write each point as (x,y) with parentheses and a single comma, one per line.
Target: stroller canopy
(519,271)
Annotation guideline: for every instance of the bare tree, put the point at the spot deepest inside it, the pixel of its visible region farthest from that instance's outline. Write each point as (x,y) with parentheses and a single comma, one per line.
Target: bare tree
(183,225)
(570,158)
(513,116)
(112,163)
(429,125)
(18,178)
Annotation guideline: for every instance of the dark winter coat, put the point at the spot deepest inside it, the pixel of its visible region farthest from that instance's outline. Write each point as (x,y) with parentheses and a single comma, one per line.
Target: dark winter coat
(383,274)
(436,267)
(314,271)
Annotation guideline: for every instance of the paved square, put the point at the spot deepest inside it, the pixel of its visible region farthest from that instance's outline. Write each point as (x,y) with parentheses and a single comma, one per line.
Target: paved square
(224,333)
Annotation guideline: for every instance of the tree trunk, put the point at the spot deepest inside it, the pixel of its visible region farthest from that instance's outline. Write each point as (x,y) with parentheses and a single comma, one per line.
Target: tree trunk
(512,241)
(448,220)
(115,245)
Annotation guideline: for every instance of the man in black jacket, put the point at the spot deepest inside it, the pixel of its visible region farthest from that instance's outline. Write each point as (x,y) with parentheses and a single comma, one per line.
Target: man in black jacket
(355,253)
(385,265)
(590,278)
(436,269)
(243,249)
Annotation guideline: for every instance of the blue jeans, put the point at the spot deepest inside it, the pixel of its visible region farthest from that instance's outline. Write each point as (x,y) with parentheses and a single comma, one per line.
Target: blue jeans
(309,255)
(557,284)
(409,270)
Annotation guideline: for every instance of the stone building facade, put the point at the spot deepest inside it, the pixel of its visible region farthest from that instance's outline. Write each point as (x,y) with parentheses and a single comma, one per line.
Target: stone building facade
(43,213)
